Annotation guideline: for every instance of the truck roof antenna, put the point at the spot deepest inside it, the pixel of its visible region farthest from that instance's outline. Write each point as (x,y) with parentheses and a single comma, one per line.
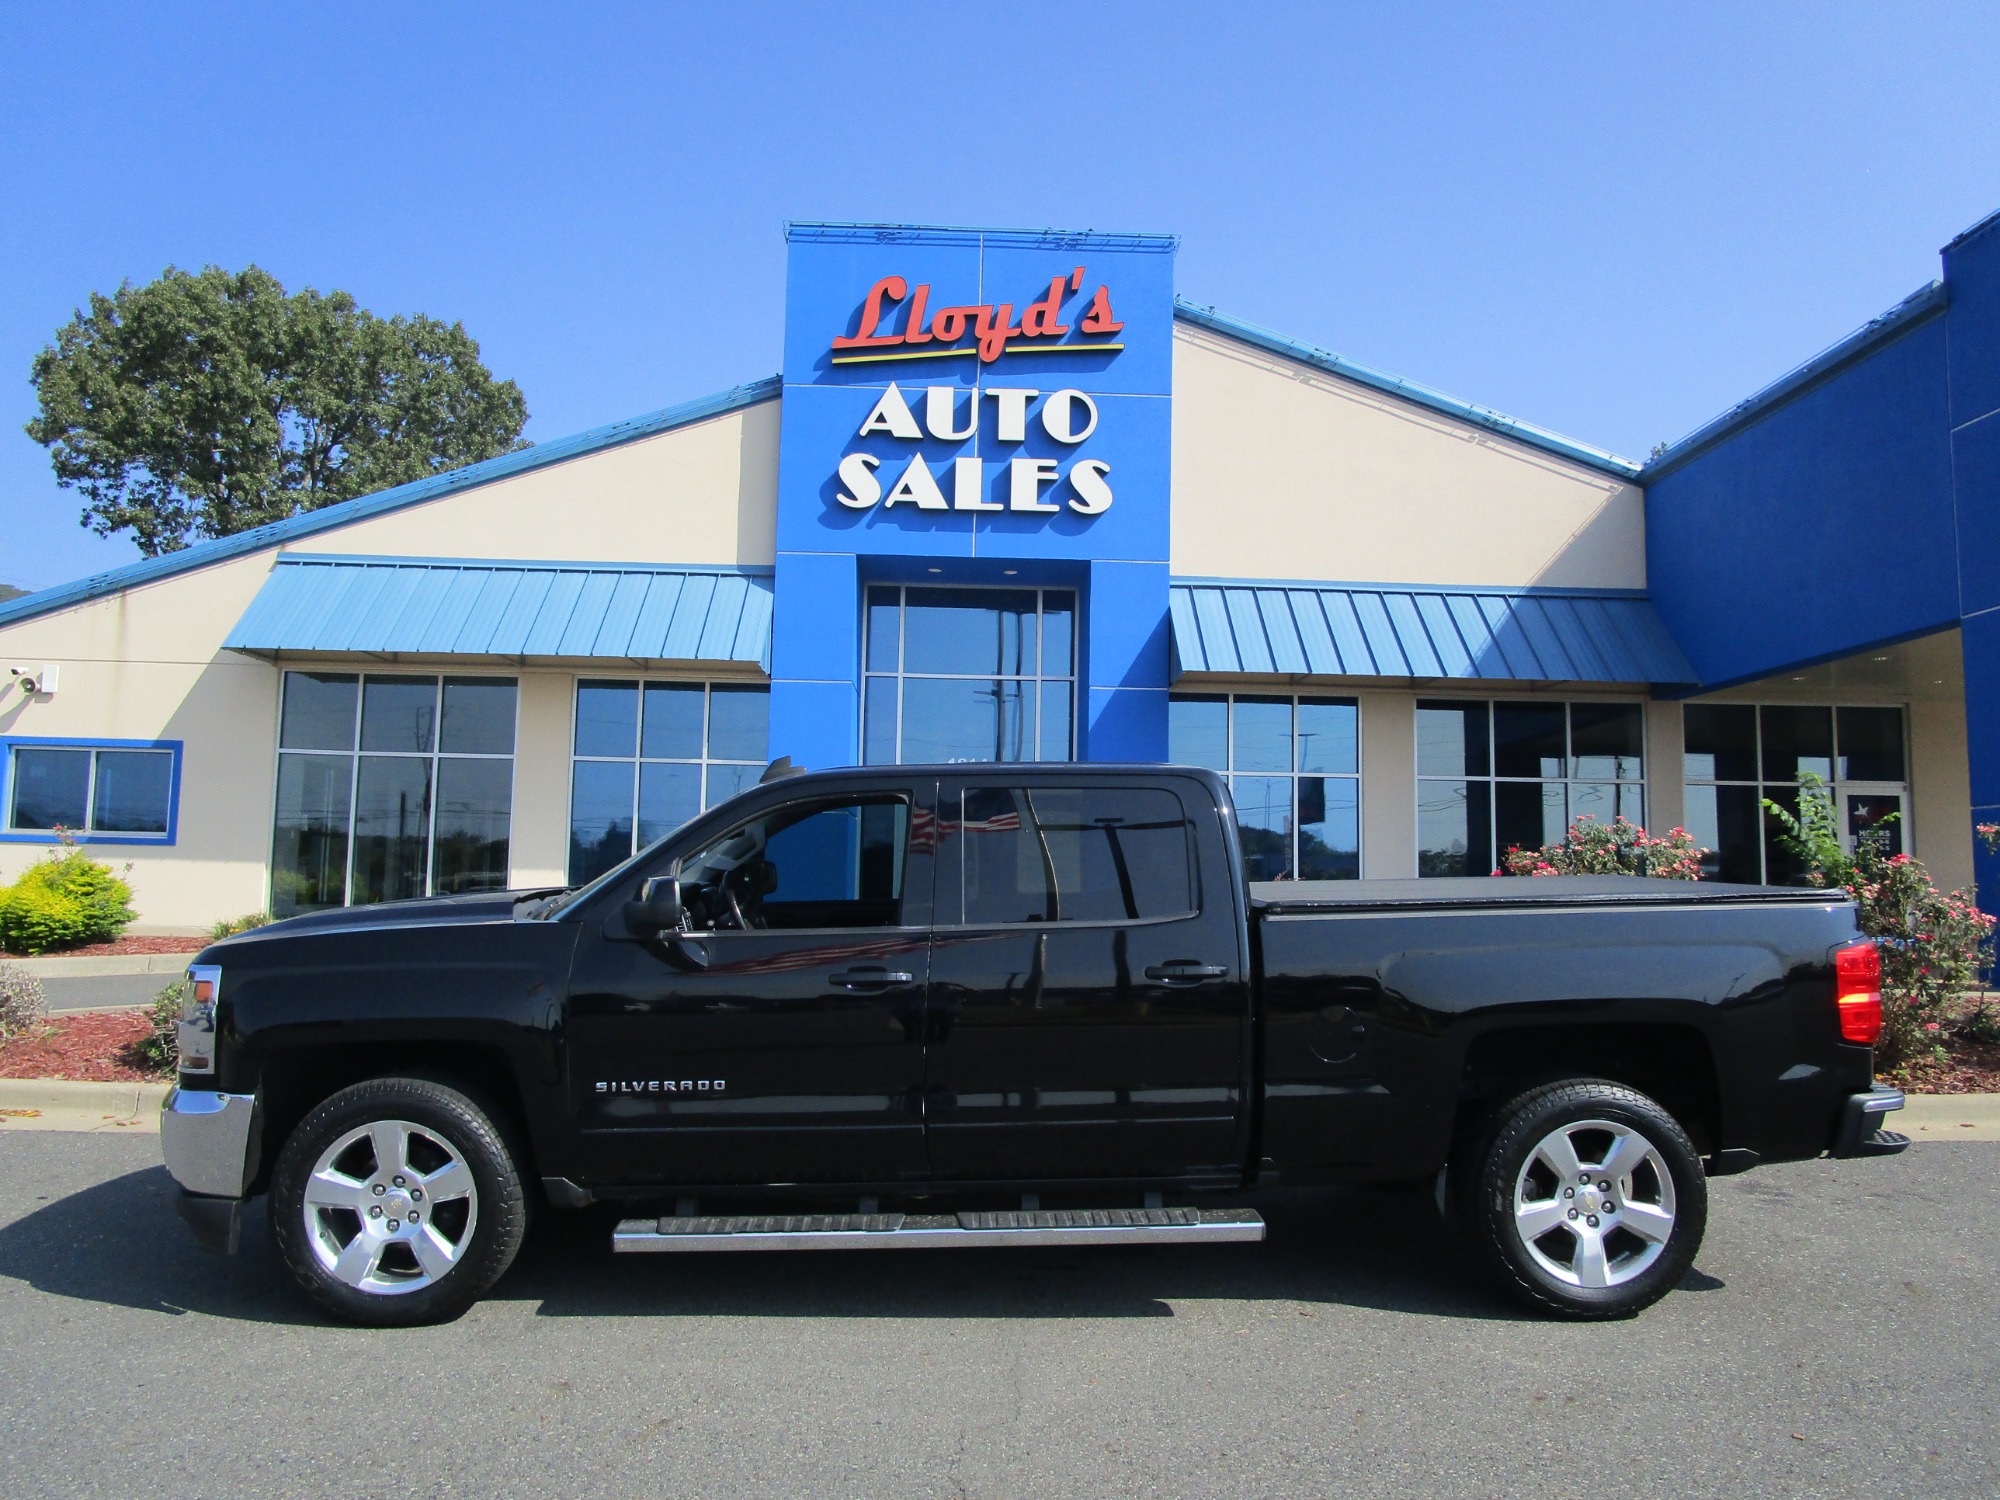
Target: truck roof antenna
(779,769)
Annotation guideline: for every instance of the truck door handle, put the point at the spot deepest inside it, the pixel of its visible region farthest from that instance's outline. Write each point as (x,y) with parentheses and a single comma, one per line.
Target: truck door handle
(871,978)
(1184,971)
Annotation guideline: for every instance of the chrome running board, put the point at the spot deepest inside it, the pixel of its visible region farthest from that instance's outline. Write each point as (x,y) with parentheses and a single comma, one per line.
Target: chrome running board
(1101,1226)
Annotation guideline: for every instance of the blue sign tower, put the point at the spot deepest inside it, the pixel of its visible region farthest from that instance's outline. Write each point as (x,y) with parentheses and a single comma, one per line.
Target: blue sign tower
(974,407)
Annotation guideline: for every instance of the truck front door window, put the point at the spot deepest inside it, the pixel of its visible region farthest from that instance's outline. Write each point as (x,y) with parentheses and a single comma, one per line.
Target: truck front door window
(820,865)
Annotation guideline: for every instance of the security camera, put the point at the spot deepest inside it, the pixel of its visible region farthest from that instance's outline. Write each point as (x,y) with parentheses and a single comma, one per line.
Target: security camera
(33,682)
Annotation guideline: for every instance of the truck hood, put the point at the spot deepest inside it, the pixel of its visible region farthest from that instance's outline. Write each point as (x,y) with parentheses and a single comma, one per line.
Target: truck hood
(430,911)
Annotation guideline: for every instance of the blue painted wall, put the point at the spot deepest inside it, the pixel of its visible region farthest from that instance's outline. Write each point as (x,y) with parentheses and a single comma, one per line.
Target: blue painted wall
(828,551)
(1818,529)
(1858,508)
(1972,273)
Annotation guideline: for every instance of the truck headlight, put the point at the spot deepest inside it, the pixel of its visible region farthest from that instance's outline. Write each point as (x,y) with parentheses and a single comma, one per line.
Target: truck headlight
(196,1032)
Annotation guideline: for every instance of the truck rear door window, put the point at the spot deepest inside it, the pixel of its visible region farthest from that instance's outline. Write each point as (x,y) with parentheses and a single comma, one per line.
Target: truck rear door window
(1073,854)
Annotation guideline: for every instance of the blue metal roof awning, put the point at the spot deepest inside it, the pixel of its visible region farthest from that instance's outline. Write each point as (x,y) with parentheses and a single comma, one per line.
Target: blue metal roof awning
(445,607)
(1373,630)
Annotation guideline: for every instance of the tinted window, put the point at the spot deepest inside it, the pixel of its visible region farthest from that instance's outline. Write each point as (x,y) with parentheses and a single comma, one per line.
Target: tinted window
(319,711)
(51,788)
(399,713)
(132,791)
(1073,854)
(1871,744)
(1528,740)
(1198,732)
(475,801)
(739,723)
(1329,737)
(1605,739)
(478,716)
(1721,742)
(607,718)
(1798,741)
(814,865)
(1451,739)
(673,721)
(970,631)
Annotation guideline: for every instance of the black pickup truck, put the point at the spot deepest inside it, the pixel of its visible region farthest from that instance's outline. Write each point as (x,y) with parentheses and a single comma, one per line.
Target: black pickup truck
(989,1005)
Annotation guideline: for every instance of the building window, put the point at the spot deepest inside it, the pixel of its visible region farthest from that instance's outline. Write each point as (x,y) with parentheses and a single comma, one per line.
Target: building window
(391,787)
(963,674)
(651,755)
(1498,776)
(1294,768)
(97,793)
(1738,754)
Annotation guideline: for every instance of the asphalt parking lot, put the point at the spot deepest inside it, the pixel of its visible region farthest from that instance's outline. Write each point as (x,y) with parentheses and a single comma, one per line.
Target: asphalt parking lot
(1840,1336)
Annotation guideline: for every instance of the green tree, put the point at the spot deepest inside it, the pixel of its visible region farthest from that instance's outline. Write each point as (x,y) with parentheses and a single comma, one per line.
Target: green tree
(199,405)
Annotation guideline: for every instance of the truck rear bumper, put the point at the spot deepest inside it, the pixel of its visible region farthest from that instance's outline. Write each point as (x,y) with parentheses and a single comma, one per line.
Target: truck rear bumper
(1860,1132)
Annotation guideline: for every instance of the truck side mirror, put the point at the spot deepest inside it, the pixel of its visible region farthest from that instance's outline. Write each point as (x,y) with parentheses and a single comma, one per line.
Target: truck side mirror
(658,908)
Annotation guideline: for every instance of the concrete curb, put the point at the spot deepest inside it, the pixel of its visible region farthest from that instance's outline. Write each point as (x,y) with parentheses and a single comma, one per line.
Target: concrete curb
(97,966)
(58,1104)
(1948,1117)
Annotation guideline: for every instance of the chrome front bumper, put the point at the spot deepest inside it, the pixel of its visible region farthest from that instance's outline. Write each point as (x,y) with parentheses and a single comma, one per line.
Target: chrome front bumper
(207,1139)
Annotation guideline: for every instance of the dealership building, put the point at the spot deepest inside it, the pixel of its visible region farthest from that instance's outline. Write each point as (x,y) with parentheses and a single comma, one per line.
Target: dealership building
(1013,498)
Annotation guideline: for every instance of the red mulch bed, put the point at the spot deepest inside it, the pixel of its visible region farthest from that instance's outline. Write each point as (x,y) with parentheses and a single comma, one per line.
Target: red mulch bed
(1969,1068)
(125,945)
(88,1048)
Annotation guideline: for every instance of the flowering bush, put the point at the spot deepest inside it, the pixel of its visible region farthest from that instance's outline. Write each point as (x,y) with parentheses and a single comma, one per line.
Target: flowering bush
(1932,941)
(62,902)
(1621,847)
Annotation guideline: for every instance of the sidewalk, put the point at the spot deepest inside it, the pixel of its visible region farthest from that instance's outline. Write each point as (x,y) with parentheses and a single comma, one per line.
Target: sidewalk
(54,1104)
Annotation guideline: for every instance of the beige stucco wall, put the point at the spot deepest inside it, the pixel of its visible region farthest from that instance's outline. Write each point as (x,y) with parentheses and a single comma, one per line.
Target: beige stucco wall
(144,665)
(1282,471)
(148,663)
(707,493)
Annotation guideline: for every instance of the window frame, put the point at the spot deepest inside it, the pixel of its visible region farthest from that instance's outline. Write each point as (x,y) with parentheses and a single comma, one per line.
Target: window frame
(637,760)
(1039,677)
(1838,788)
(355,755)
(11,835)
(1493,778)
(1294,697)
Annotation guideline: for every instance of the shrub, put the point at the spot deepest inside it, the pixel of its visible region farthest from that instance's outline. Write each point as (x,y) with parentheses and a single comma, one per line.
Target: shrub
(159,1050)
(22,1003)
(62,902)
(1620,847)
(230,926)
(1932,941)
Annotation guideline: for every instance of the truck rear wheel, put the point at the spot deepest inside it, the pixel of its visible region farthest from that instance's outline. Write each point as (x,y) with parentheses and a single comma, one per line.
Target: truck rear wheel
(1585,1199)
(397,1202)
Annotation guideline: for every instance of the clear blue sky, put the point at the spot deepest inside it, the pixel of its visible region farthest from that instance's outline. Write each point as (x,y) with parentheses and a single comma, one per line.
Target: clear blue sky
(1615,220)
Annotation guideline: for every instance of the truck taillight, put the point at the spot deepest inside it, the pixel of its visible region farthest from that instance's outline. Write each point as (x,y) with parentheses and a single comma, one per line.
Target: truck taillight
(1857,973)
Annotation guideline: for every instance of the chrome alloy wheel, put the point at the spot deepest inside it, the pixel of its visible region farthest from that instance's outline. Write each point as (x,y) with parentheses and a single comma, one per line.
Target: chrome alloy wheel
(1594,1203)
(390,1208)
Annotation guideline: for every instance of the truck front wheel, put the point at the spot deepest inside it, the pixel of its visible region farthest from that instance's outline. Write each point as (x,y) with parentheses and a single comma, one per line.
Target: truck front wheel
(396,1202)
(1585,1199)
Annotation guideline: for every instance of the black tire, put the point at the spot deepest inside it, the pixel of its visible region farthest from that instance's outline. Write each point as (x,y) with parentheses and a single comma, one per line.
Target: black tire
(1664,1200)
(472,1237)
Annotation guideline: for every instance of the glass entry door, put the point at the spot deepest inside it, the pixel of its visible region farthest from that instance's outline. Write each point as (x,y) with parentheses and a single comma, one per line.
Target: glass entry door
(969,674)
